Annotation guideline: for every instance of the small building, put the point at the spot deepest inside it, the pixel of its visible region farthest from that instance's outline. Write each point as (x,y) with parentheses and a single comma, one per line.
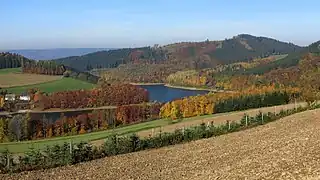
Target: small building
(24,97)
(10,97)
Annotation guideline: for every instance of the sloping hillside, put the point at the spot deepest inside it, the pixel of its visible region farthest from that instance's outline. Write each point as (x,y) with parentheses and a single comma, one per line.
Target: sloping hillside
(284,149)
(291,60)
(112,58)
(195,55)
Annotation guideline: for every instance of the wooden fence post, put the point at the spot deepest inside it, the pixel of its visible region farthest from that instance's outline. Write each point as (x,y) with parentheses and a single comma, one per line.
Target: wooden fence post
(8,161)
(70,145)
(183,130)
(246,120)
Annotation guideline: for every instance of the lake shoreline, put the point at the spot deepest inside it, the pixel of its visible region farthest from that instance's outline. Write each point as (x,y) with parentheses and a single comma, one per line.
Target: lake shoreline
(147,84)
(176,87)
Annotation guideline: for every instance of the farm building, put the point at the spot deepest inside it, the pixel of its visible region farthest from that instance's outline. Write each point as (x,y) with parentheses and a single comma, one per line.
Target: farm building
(10,97)
(24,97)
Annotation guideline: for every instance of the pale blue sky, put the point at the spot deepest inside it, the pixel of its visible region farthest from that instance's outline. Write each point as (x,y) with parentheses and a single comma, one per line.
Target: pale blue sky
(130,23)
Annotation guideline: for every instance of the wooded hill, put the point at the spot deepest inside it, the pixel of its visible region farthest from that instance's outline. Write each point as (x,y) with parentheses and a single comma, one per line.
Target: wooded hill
(50,67)
(304,72)
(194,55)
(10,60)
(113,58)
(291,60)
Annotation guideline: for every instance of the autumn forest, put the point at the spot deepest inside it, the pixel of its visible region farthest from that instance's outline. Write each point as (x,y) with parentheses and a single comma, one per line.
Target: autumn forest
(249,71)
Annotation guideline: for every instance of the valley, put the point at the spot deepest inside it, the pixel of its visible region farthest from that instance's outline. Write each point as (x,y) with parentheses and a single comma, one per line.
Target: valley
(146,97)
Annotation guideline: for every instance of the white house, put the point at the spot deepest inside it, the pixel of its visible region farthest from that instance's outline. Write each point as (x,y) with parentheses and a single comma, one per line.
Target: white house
(10,97)
(24,97)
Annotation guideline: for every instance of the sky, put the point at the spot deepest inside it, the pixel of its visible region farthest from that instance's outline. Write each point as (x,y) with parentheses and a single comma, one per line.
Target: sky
(40,24)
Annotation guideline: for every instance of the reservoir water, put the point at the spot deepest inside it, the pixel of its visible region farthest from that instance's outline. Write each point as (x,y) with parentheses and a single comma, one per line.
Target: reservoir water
(162,93)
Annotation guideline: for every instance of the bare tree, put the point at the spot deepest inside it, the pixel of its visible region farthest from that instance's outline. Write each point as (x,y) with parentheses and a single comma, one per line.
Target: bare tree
(16,127)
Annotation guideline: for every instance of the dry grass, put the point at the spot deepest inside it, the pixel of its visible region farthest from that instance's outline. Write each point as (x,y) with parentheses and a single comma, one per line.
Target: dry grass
(284,149)
(19,79)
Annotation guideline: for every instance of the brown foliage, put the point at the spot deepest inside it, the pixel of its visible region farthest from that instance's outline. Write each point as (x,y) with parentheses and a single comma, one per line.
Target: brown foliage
(107,95)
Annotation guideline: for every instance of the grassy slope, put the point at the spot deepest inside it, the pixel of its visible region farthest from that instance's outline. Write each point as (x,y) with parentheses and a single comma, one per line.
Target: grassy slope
(96,137)
(10,70)
(54,86)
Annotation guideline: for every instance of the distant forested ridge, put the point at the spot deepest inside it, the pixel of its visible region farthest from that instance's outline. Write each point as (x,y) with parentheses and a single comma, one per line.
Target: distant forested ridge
(188,55)
(47,54)
(113,58)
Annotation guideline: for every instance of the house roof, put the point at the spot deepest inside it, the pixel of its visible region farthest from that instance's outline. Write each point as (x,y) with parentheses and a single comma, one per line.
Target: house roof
(24,94)
(10,95)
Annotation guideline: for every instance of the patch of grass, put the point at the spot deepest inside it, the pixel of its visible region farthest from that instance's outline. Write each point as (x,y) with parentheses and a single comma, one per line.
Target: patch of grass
(10,70)
(54,86)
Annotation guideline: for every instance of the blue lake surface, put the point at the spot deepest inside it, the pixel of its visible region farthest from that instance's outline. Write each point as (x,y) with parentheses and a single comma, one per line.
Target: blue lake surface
(162,93)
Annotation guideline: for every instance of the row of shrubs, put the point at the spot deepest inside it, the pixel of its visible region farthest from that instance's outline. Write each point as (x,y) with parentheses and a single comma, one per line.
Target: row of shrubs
(68,153)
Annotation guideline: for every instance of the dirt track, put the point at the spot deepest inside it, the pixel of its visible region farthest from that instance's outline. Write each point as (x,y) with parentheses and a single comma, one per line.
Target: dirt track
(219,119)
(285,149)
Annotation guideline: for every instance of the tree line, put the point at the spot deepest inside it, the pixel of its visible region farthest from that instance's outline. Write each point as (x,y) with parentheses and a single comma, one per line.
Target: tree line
(106,95)
(31,126)
(11,60)
(43,67)
(225,102)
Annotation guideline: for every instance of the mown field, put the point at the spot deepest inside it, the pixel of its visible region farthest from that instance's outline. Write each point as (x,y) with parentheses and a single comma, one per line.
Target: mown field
(62,84)
(284,149)
(10,70)
(13,77)
(16,82)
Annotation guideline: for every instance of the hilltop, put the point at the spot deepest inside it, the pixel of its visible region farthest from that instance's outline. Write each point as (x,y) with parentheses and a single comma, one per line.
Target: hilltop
(204,54)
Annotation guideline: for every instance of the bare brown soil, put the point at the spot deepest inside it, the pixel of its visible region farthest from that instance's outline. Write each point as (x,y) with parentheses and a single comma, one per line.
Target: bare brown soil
(21,79)
(284,149)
